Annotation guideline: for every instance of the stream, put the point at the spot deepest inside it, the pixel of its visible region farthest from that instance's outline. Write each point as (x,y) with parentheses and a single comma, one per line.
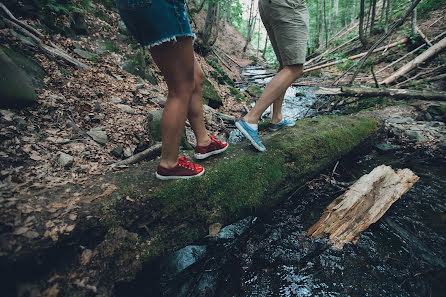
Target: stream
(403,254)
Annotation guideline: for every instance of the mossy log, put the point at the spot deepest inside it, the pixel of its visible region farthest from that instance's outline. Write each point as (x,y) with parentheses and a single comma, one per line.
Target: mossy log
(159,217)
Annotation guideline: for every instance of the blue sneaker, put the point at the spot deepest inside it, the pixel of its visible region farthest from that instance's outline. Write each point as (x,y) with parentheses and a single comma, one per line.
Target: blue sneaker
(251,134)
(280,125)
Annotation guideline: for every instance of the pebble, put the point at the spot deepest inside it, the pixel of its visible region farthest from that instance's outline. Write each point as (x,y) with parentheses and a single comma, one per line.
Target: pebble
(98,135)
(65,160)
(125,108)
(116,100)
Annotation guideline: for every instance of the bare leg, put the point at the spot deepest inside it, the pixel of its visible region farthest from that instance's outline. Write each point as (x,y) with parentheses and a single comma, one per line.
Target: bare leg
(176,62)
(274,91)
(195,113)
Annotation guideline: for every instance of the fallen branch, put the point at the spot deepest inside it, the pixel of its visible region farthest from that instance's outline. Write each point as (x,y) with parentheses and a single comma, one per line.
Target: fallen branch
(374,92)
(22,24)
(354,57)
(362,205)
(221,60)
(50,51)
(153,150)
(229,57)
(432,51)
(410,53)
(423,36)
(384,37)
(428,79)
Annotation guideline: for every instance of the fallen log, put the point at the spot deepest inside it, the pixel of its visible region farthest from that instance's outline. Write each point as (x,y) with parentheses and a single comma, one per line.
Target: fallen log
(374,92)
(423,80)
(424,36)
(431,52)
(362,205)
(151,151)
(354,57)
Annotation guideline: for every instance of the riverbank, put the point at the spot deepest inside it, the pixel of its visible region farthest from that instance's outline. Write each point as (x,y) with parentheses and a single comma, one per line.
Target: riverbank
(104,231)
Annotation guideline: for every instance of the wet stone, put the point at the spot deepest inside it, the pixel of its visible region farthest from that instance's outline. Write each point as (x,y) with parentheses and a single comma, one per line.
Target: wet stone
(385,147)
(400,120)
(236,229)
(416,136)
(183,258)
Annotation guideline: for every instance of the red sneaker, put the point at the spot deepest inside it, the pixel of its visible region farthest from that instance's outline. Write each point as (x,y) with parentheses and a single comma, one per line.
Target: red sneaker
(182,170)
(215,147)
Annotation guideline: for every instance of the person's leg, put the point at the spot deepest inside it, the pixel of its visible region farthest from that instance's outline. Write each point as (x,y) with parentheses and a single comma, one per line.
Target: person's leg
(274,91)
(176,62)
(195,112)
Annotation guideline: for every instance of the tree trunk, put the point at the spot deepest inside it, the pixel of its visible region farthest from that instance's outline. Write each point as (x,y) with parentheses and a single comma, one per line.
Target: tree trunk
(211,19)
(325,25)
(374,92)
(430,52)
(414,21)
(363,204)
(372,21)
(361,23)
(386,25)
(251,25)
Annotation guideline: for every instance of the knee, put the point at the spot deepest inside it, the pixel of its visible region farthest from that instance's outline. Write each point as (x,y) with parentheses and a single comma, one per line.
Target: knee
(199,80)
(295,70)
(183,88)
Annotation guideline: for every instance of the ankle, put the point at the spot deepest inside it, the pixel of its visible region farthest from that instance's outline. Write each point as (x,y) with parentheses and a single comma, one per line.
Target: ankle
(205,141)
(276,120)
(168,164)
(249,120)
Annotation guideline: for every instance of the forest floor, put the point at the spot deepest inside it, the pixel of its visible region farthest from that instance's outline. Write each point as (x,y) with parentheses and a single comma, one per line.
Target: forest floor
(73,101)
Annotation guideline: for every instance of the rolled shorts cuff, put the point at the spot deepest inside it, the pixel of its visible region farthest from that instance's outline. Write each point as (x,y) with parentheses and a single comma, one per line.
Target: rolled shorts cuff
(300,60)
(172,38)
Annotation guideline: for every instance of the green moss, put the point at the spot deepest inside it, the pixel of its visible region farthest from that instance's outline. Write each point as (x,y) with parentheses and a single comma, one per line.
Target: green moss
(244,182)
(239,96)
(210,95)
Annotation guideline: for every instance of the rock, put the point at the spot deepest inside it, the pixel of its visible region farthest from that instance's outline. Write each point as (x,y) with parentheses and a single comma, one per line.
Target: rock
(400,120)
(144,92)
(117,151)
(210,95)
(125,108)
(65,160)
(385,147)
(442,145)
(443,138)
(428,117)
(78,23)
(96,106)
(182,259)
(16,88)
(154,126)
(116,100)
(122,28)
(85,54)
(435,124)
(236,229)
(20,122)
(209,115)
(416,136)
(98,135)
(436,109)
(128,151)
(160,100)
(254,91)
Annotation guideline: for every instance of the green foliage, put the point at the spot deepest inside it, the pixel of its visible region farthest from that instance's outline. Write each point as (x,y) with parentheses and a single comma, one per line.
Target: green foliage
(370,104)
(109,45)
(427,6)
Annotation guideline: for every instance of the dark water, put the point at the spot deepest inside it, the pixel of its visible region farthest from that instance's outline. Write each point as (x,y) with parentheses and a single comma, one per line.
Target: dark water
(403,254)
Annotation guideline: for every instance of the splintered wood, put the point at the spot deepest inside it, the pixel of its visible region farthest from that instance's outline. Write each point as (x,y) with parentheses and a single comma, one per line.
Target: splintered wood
(362,205)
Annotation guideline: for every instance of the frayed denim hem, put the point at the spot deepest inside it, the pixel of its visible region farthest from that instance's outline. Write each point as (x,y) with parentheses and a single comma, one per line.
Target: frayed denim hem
(169,39)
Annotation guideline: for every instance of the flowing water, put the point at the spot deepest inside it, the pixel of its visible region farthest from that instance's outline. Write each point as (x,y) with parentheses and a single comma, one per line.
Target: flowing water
(403,254)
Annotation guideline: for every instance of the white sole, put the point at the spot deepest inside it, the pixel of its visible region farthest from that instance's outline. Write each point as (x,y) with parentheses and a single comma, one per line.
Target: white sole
(246,134)
(169,177)
(204,156)
(274,130)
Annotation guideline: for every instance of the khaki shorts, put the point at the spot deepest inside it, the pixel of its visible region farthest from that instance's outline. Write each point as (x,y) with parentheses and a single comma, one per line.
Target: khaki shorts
(286,22)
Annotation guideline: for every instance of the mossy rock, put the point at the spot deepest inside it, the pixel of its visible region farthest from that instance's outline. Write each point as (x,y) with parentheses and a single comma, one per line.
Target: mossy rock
(16,88)
(136,64)
(437,109)
(31,67)
(210,95)
(238,95)
(154,129)
(254,91)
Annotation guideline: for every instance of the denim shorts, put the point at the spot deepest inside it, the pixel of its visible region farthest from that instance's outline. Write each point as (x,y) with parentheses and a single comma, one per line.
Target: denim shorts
(153,22)
(286,22)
